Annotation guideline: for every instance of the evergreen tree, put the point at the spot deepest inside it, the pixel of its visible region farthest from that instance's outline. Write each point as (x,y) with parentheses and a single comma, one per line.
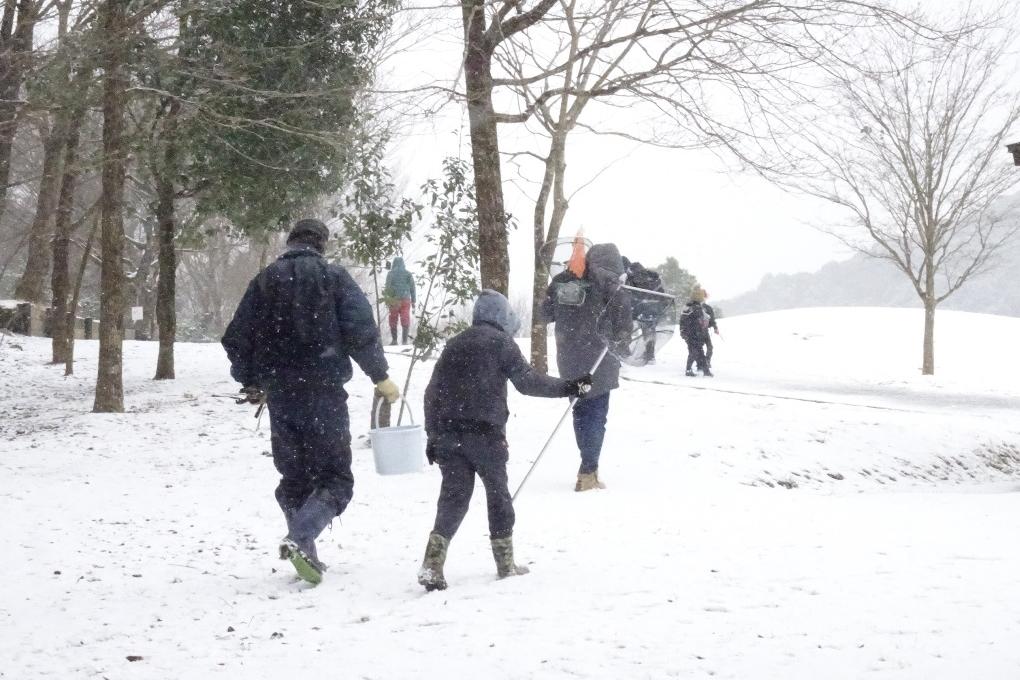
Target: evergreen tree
(677,280)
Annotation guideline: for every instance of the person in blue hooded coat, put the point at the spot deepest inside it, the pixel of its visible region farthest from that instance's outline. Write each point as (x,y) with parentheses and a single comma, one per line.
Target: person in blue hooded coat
(401,298)
(465,419)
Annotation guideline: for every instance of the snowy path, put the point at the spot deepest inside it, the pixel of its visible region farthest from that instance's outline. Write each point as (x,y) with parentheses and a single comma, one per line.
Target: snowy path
(153,534)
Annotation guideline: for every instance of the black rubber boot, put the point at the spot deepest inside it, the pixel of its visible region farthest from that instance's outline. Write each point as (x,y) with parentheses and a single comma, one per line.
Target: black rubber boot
(431,573)
(503,553)
(393,336)
(404,340)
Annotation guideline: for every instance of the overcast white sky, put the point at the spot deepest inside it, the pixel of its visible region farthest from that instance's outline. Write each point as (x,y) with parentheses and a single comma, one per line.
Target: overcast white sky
(727,227)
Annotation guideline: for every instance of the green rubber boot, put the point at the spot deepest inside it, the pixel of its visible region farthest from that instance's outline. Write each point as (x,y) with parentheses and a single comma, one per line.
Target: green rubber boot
(431,573)
(503,553)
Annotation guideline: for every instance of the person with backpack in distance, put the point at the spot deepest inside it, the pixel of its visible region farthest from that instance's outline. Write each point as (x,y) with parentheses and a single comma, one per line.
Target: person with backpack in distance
(465,420)
(589,310)
(290,345)
(645,311)
(400,297)
(694,331)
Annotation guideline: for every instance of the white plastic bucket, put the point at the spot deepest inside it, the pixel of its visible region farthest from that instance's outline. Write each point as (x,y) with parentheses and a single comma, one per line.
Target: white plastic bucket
(397,450)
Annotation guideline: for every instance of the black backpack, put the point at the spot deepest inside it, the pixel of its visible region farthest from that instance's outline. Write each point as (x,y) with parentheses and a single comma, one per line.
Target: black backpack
(693,321)
(646,279)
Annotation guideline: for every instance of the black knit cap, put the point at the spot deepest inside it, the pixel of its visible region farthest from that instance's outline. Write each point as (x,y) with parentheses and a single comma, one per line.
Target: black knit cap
(310,231)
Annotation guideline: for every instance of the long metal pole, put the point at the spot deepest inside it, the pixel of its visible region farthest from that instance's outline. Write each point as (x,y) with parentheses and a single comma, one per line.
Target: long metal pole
(598,362)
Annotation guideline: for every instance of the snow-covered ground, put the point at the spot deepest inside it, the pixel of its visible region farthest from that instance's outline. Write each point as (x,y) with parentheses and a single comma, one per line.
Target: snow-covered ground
(818,510)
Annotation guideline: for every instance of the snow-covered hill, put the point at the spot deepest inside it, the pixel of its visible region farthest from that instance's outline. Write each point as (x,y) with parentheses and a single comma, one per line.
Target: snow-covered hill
(862,280)
(819,509)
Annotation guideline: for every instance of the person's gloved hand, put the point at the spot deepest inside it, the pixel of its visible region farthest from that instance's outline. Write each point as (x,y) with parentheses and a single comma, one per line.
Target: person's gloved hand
(579,387)
(389,390)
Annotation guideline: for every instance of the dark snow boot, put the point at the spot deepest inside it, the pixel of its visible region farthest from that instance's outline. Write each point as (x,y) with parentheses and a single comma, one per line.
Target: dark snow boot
(690,373)
(707,372)
(393,336)
(303,528)
(405,337)
(503,553)
(431,573)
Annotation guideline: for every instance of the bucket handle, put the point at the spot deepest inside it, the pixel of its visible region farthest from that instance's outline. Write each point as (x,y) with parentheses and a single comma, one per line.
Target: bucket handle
(378,410)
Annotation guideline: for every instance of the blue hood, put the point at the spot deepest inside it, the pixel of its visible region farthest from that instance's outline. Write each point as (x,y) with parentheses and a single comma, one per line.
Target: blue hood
(492,307)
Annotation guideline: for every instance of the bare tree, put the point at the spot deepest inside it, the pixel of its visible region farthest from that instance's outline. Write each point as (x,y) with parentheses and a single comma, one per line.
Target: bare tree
(609,67)
(486,26)
(912,152)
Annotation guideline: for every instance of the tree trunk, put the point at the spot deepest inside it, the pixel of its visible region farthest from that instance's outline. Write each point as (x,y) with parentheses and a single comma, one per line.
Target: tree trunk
(60,282)
(15,54)
(72,308)
(30,285)
(929,299)
(385,408)
(109,381)
(552,186)
(264,256)
(539,335)
(928,362)
(492,226)
(166,292)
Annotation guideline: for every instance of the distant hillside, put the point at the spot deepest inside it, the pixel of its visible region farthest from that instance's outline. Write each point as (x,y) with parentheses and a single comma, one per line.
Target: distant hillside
(864,281)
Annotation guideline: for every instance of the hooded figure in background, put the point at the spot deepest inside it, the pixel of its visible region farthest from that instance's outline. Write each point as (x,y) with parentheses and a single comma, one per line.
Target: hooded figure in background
(400,297)
(290,345)
(465,419)
(590,312)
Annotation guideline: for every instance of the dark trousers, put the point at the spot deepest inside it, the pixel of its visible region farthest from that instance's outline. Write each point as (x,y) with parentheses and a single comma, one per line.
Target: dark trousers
(648,335)
(590,415)
(461,456)
(311,439)
(696,353)
(708,351)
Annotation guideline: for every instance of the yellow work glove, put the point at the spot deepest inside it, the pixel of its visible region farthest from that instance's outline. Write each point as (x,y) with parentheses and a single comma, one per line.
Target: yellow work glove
(389,390)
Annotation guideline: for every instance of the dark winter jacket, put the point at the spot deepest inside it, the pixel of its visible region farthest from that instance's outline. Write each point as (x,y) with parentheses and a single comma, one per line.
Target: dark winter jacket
(467,392)
(399,282)
(694,322)
(299,324)
(588,312)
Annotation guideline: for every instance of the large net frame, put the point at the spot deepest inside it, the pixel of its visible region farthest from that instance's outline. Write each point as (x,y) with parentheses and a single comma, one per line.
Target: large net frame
(653,325)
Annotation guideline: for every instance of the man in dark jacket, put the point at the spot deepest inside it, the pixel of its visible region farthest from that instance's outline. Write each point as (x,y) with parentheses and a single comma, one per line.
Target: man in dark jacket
(694,330)
(290,344)
(465,418)
(589,312)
